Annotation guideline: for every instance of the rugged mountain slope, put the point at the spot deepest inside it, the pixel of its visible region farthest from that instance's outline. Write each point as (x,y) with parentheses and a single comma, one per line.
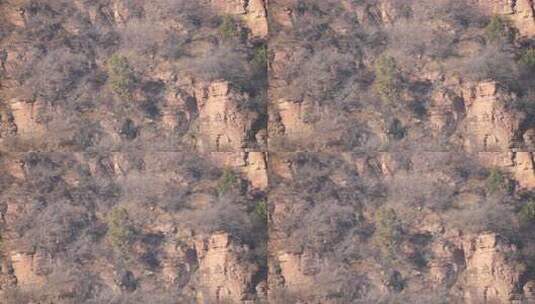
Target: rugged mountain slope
(133,164)
(419,159)
(233,151)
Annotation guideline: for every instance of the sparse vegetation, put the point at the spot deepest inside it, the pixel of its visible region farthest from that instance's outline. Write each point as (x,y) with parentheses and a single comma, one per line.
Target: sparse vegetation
(498,29)
(388,230)
(260,59)
(129,129)
(527,60)
(387,79)
(121,232)
(497,181)
(527,213)
(227,181)
(492,63)
(229,28)
(223,63)
(121,76)
(369,109)
(261,211)
(396,129)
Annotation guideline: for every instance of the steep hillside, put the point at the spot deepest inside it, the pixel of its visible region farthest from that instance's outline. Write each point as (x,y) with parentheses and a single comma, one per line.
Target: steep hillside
(282,151)
(133,137)
(401,148)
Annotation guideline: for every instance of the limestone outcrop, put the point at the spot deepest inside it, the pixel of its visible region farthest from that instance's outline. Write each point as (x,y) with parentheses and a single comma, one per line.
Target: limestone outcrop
(297,270)
(446,111)
(26,117)
(489,276)
(224,122)
(253,12)
(479,267)
(520,12)
(519,164)
(490,125)
(28,269)
(224,274)
(252,164)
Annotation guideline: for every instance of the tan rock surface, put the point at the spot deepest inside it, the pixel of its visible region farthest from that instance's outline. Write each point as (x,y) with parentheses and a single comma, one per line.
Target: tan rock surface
(26,268)
(520,164)
(253,12)
(7,125)
(445,112)
(489,125)
(292,115)
(489,277)
(26,117)
(223,272)
(252,164)
(223,123)
(294,270)
(520,12)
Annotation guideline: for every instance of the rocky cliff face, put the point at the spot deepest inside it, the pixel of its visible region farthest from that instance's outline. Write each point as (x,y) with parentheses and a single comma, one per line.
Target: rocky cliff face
(253,11)
(488,274)
(181,105)
(224,123)
(522,13)
(475,267)
(485,110)
(221,272)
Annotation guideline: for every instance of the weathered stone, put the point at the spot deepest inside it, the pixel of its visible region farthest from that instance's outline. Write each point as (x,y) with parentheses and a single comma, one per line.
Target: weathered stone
(295,270)
(253,12)
(224,274)
(489,277)
(520,12)
(520,164)
(489,125)
(445,112)
(27,269)
(26,117)
(252,164)
(224,123)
